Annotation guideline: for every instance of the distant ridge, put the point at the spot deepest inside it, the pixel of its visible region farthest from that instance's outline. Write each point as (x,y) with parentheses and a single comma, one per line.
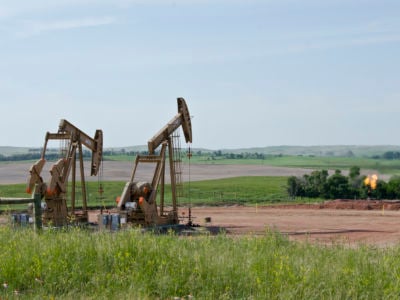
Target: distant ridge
(327,150)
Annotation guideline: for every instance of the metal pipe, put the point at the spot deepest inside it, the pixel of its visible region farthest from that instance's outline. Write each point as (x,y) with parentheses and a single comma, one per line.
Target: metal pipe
(16,200)
(37,211)
(37,207)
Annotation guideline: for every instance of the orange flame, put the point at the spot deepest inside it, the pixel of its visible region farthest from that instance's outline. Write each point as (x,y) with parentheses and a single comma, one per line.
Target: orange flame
(371,180)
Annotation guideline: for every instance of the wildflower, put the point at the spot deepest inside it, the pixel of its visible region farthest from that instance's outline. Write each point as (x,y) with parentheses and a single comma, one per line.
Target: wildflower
(5,285)
(38,280)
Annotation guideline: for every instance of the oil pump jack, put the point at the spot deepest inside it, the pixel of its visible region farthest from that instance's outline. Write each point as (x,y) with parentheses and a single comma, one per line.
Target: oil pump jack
(138,200)
(55,193)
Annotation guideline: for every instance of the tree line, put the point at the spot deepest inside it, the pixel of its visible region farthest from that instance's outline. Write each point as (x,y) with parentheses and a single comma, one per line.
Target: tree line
(213,155)
(319,184)
(229,155)
(35,156)
(391,155)
(27,156)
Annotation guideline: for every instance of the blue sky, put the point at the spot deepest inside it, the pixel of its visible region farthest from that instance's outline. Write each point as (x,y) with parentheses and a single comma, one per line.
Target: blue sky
(254,73)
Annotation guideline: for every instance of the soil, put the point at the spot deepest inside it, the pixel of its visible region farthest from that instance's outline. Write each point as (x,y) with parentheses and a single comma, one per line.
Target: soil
(380,227)
(121,171)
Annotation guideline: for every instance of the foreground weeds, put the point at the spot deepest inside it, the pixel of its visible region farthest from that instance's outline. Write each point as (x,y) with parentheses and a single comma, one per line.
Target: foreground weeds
(129,265)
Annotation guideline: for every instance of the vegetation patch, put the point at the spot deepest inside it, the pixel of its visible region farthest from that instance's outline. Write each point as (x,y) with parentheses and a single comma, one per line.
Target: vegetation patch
(319,184)
(80,264)
(239,190)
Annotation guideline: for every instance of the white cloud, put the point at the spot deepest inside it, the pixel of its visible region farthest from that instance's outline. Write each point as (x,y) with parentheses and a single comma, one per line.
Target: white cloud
(38,27)
(358,34)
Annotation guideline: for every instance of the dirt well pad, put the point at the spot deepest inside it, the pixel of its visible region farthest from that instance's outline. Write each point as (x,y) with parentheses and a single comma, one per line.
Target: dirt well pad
(325,226)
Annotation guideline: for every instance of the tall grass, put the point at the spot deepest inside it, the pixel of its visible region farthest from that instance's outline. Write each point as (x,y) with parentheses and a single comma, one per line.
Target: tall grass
(130,265)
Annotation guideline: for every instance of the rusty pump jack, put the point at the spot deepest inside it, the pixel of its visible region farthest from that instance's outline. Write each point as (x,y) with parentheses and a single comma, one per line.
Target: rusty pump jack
(138,200)
(55,192)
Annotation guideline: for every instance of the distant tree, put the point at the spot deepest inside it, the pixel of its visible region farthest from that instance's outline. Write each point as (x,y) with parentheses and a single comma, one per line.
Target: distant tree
(391,155)
(315,183)
(381,190)
(393,188)
(218,153)
(354,172)
(261,156)
(349,153)
(308,188)
(356,182)
(337,186)
(293,186)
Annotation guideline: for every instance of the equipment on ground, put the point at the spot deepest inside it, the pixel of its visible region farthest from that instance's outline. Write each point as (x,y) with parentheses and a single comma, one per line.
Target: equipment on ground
(137,204)
(55,193)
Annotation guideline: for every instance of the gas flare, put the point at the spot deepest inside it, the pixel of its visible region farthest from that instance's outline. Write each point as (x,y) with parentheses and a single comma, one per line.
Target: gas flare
(371,181)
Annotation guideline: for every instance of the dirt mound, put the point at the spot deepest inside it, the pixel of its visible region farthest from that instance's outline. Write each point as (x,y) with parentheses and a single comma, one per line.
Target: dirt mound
(348,204)
(362,204)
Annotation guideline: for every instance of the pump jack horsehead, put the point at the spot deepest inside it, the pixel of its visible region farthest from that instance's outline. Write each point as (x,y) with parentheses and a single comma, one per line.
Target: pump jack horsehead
(138,200)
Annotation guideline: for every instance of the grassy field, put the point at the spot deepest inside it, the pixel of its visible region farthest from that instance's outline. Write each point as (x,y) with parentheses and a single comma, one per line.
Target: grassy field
(391,167)
(77,264)
(240,190)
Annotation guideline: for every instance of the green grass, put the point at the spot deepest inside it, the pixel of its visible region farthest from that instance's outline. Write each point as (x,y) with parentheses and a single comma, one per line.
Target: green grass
(383,166)
(238,190)
(13,190)
(77,264)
